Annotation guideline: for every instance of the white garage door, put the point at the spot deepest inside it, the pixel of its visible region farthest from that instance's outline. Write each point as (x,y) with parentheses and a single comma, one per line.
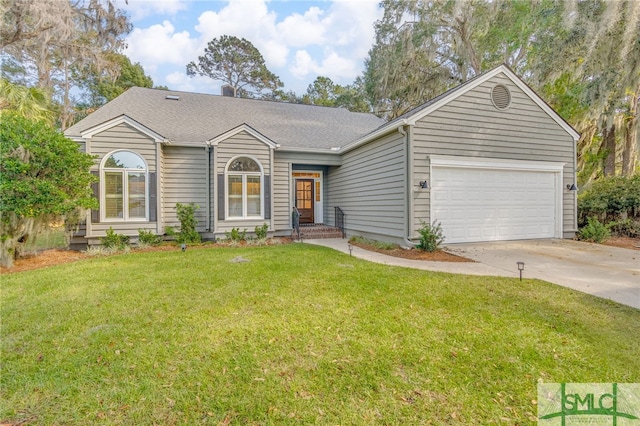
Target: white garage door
(475,204)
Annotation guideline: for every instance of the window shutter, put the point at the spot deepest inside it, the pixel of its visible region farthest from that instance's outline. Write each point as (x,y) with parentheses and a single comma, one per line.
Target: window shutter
(95,187)
(267,197)
(153,197)
(221,196)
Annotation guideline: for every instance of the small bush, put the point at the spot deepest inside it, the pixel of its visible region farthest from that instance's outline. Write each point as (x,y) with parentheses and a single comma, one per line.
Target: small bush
(594,231)
(261,231)
(148,238)
(114,241)
(187,217)
(235,235)
(431,236)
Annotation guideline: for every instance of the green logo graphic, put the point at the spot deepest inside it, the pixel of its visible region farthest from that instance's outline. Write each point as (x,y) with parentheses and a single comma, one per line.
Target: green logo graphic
(616,404)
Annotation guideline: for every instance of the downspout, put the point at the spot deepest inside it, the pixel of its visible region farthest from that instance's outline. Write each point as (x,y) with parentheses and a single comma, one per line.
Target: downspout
(408,184)
(208,184)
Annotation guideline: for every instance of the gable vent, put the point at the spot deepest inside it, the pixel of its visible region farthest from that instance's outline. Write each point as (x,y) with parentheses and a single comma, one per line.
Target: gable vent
(172,97)
(501,97)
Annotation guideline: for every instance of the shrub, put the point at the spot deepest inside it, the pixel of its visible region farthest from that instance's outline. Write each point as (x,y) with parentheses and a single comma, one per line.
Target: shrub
(113,241)
(625,228)
(261,231)
(594,231)
(610,199)
(148,238)
(187,217)
(235,235)
(431,236)
(382,245)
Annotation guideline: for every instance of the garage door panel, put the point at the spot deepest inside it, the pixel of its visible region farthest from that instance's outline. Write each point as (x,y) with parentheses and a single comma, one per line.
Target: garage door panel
(488,205)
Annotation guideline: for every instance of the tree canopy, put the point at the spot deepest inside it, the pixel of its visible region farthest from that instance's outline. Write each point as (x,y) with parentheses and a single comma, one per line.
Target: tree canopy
(53,45)
(583,57)
(43,178)
(238,63)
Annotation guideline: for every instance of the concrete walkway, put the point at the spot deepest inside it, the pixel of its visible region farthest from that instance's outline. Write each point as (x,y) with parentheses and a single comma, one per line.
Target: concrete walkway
(608,272)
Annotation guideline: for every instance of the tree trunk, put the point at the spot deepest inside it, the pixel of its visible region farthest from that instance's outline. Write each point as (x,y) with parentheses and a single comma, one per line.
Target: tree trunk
(609,144)
(629,155)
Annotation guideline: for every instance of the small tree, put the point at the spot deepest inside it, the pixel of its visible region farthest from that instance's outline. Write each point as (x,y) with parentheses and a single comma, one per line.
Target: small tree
(187,217)
(43,178)
(238,63)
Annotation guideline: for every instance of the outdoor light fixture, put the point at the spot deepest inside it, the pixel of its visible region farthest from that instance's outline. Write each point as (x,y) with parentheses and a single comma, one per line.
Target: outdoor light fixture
(424,184)
(350,249)
(183,247)
(572,187)
(520,268)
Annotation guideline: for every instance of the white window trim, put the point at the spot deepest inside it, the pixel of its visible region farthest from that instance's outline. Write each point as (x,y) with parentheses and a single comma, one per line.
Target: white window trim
(125,190)
(244,175)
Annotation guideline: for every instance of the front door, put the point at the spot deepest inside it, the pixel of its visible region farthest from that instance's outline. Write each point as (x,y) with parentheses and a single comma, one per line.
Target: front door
(304,200)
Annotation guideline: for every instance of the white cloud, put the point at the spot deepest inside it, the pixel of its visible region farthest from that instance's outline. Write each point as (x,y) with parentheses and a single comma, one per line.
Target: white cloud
(303,30)
(181,81)
(330,39)
(337,68)
(158,45)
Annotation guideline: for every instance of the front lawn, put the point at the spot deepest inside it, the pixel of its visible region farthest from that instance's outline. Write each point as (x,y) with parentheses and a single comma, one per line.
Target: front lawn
(299,334)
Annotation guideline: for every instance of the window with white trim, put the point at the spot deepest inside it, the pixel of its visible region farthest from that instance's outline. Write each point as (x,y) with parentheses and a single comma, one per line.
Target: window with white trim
(244,188)
(125,192)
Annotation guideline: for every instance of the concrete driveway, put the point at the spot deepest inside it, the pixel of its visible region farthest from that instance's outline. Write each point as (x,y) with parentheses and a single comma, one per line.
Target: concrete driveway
(609,272)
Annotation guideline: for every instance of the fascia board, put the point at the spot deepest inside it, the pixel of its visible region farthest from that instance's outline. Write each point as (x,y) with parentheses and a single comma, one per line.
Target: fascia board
(246,128)
(90,132)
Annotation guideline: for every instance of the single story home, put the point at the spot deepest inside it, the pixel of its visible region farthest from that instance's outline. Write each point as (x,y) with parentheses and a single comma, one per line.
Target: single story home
(489,160)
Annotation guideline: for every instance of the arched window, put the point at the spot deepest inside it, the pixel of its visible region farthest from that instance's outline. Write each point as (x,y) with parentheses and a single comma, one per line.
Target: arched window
(244,188)
(125,195)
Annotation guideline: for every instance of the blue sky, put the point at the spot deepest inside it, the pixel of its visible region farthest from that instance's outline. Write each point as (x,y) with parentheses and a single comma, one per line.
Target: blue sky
(299,40)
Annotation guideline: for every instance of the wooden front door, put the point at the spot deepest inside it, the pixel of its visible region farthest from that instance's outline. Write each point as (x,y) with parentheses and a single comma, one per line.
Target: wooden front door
(304,199)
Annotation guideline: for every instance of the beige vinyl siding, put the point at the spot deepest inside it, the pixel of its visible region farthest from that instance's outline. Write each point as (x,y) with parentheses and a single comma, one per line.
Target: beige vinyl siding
(241,145)
(370,188)
(471,126)
(122,137)
(184,181)
(311,158)
(281,194)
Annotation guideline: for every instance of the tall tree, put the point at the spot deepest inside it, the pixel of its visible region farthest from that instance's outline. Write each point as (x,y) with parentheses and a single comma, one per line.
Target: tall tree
(582,56)
(236,62)
(29,102)
(57,42)
(324,92)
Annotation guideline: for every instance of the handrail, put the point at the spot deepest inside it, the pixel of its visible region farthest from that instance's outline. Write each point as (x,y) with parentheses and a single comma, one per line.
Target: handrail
(339,214)
(295,215)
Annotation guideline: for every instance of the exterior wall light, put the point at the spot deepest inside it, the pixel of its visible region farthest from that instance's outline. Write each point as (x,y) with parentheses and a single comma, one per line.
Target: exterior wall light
(520,268)
(572,187)
(424,184)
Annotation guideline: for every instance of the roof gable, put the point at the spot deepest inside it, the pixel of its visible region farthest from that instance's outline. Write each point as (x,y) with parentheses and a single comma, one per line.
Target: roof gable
(243,128)
(99,128)
(413,116)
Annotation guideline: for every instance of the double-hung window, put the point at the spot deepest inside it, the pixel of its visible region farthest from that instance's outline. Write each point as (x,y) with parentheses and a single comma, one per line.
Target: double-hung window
(125,187)
(244,188)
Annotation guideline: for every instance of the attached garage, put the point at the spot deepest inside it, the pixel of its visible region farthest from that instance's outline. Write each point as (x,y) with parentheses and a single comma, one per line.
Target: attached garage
(493,199)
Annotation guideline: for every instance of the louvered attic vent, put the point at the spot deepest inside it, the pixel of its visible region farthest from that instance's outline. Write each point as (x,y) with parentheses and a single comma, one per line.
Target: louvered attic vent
(501,97)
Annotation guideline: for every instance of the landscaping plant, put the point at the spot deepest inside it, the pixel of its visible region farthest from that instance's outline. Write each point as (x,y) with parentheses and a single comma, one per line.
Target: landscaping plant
(431,236)
(187,217)
(113,241)
(148,238)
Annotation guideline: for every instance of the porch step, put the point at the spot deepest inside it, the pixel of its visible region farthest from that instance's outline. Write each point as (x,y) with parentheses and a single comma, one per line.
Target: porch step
(317,232)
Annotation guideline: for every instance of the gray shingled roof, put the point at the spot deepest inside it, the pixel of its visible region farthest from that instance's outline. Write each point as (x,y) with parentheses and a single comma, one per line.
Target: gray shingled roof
(197,117)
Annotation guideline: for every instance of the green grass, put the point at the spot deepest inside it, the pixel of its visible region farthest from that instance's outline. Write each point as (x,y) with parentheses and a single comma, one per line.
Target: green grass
(298,335)
(52,238)
(382,245)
